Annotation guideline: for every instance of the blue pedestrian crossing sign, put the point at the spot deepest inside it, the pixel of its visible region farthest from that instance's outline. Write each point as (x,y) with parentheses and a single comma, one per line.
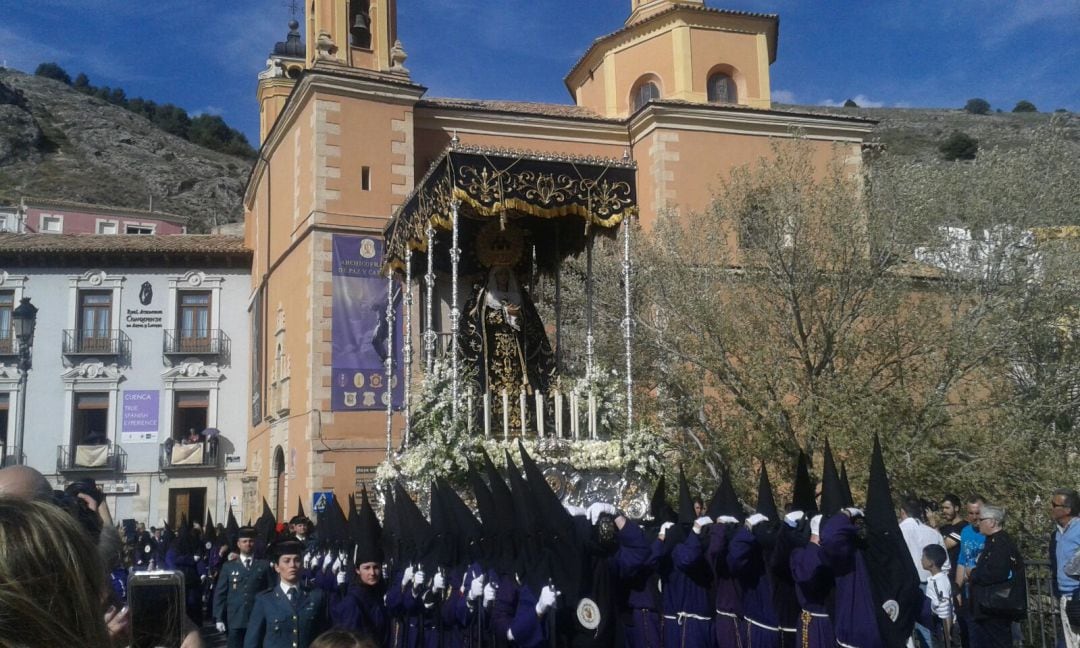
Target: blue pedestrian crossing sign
(322,499)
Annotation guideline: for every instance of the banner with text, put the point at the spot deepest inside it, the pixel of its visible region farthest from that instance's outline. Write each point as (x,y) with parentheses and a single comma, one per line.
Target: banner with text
(139,420)
(359,328)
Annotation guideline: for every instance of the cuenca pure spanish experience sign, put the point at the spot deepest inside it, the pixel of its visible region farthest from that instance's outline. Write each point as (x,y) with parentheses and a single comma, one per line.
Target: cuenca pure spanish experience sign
(140,416)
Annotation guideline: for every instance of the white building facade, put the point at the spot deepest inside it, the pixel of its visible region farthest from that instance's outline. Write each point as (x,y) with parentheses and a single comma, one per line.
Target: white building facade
(139,368)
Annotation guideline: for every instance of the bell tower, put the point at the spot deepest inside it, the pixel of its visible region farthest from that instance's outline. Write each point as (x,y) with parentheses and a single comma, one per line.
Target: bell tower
(358,34)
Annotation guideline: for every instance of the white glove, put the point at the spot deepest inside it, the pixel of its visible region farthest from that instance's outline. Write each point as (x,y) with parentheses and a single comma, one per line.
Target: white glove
(575,511)
(755,519)
(792,519)
(336,567)
(418,578)
(438,582)
(220,625)
(476,588)
(726,519)
(663,529)
(489,593)
(341,578)
(596,509)
(307,561)
(854,512)
(329,558)
(407,577)
(547,599)
(701,522)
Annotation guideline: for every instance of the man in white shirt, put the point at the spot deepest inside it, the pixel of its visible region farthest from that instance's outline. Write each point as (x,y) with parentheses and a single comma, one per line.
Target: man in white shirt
(917,535)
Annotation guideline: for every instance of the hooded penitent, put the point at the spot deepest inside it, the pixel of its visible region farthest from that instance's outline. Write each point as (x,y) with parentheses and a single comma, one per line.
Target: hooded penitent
(416,534)
(231,530)
(265,526)
(893,579)
(845,487)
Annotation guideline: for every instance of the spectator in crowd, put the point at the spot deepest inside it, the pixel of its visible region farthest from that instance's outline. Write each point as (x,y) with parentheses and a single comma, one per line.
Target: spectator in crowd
(192,437)
(999,562)
(971,544)
(952,524)
(1064,559)
(917,536)
(25,483)
(342,639)
(51,585)
(938,611)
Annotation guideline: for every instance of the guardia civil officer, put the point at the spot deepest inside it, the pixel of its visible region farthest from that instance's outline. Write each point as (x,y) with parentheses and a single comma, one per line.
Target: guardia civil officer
(239,582)
(288,615)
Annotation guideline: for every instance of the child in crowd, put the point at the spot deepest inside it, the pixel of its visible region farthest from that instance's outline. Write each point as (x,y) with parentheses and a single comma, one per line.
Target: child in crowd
(937,609)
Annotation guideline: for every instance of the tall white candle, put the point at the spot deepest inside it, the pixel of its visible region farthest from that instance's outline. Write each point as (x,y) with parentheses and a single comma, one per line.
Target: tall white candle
(539,414)
(558,415)
(487,414)
(592,415)
(574,415)
(506,415)
(469,413)
(524,412)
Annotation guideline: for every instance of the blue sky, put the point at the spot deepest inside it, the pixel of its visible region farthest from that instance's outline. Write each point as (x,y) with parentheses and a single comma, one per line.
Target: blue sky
(204,54)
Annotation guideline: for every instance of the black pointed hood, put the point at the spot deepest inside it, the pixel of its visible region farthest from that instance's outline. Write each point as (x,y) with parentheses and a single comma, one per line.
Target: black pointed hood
(892,574)
(845,487)
(467,528)
(832,496)
(659,508)
(391,531)
(558,523)
(802,492)
(766,503)
(500,492)
(416,535)
(210,531)
(686,501)
(266,528)
(724,501)
(485,502)
(366,533)
(232,530)
(300,507)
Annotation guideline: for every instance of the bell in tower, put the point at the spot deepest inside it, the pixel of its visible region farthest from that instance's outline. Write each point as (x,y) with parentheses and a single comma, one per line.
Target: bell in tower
(360,21)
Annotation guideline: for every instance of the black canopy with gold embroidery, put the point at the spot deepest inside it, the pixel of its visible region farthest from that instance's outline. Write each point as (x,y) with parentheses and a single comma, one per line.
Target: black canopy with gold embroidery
(555,199)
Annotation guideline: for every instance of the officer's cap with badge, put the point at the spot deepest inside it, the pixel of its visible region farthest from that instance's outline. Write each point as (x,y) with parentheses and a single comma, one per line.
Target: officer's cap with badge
(286,548)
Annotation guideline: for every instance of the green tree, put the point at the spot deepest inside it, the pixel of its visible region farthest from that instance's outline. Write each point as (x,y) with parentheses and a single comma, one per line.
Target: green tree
(977,106)
(959,146)
(82,82)
(52,71)
(172,119)
(1024,106)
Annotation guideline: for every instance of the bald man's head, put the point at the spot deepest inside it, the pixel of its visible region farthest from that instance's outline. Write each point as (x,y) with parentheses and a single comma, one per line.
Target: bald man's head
(25,483)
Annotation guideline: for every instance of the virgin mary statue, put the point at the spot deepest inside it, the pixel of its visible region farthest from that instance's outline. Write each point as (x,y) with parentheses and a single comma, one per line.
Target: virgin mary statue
(502,335)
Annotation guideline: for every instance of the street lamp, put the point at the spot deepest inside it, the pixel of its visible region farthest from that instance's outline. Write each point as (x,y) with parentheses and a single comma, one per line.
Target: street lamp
(24,321)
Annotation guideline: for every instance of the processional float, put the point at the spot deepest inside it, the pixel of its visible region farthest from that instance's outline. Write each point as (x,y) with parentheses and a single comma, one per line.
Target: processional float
(501,218)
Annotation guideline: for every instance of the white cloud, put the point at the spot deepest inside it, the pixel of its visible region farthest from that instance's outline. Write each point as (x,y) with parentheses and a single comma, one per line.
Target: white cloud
(209,110)
(783,96)
(861,99)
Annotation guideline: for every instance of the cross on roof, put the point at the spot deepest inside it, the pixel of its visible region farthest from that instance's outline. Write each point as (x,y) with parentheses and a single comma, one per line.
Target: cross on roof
(293,7)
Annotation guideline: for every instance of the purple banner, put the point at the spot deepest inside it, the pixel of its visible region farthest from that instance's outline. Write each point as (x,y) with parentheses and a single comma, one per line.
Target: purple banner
(139,417)
(359,331)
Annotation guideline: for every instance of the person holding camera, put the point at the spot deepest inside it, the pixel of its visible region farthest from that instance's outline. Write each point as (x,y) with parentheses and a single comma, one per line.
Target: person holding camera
(1065,562)
(238,584)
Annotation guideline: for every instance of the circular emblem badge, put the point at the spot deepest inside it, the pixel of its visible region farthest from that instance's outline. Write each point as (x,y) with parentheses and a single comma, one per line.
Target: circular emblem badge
(209,545)
(588,614)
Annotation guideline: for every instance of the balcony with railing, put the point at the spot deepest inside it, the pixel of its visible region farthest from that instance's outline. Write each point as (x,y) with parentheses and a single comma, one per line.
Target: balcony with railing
(90,458)
(9,344)
(191,342)
(175,455)
(112,342)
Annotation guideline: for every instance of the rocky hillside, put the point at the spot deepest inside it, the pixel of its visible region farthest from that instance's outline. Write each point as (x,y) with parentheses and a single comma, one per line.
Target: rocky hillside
(59,143)
(918,132)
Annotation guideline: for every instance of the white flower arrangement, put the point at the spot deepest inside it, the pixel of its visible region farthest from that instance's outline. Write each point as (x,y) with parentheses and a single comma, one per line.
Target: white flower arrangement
(439,447)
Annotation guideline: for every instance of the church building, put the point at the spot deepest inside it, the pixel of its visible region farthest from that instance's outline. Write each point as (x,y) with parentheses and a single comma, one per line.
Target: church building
(673,100)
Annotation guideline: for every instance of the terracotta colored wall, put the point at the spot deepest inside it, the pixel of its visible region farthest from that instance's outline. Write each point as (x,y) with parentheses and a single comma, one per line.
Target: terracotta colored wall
(651,56)
(709,48)
(80,222)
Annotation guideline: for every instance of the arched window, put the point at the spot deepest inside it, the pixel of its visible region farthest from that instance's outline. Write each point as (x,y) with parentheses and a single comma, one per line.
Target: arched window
(722,89)
(645,92)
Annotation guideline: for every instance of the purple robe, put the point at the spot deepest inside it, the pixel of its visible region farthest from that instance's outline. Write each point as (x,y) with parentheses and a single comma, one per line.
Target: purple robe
(813,584)
(688,611)
(747,563)
(729,629)
(635,566)
(854,618)
(360,608)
